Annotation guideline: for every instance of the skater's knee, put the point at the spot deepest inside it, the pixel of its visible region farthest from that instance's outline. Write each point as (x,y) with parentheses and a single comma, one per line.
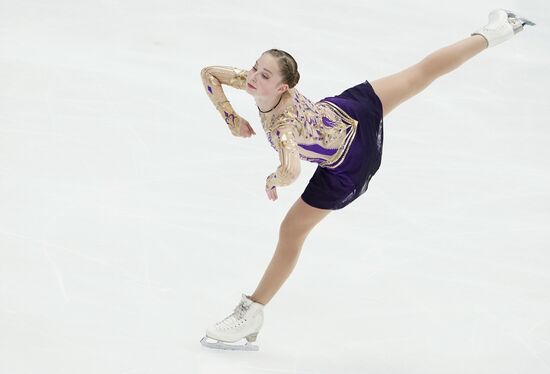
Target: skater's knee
(300,220)
(293,230)
(435,65)
(421,75)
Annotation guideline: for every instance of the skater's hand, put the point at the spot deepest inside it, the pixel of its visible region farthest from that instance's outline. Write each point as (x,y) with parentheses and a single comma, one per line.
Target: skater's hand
(271,193)
(270,188)
(245,130)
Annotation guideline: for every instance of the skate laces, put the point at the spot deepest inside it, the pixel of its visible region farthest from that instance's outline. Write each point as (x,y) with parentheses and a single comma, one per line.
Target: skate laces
(240,310)
(238,313)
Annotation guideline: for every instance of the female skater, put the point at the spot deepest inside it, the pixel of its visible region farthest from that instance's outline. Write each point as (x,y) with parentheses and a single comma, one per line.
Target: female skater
(343,134)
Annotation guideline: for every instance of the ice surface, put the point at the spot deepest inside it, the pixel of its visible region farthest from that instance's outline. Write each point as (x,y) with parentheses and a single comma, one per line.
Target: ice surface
(130,218)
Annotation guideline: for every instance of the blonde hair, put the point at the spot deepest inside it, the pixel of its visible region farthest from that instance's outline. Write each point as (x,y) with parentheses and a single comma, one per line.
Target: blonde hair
(287,65)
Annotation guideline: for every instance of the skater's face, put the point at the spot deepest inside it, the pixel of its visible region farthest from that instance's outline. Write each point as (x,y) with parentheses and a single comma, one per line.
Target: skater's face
(264,78)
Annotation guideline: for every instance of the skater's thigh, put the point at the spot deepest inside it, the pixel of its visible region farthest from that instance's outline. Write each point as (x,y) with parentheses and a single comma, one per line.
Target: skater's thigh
(396,88)
(301,218)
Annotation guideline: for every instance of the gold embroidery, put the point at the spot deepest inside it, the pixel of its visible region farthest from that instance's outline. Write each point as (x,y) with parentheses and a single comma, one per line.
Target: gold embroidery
(213,77)
(239,80)
(307,122)
(340,155)
(289,169)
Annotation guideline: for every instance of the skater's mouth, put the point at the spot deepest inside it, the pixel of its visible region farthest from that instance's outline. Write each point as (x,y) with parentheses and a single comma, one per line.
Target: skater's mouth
(251,86)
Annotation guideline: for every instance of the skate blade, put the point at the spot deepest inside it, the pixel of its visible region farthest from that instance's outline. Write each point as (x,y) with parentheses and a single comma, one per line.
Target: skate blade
(524,21)
(228,346)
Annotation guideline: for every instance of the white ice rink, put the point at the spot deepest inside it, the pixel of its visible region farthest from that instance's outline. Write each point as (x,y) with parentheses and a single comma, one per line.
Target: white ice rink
(131,220)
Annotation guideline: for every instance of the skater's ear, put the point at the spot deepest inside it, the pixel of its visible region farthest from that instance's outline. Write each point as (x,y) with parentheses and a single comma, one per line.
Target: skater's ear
(283,88)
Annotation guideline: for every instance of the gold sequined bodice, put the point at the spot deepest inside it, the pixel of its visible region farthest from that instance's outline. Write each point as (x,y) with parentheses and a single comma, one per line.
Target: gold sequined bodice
(322,131)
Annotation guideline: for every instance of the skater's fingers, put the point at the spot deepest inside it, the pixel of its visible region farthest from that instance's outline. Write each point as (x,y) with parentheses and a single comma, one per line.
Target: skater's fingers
(251,130)
(245,132)
(273,194)
(270,194)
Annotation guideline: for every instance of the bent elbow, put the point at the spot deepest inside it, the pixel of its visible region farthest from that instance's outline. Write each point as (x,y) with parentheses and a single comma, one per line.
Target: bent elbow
(288,175)
(204,71)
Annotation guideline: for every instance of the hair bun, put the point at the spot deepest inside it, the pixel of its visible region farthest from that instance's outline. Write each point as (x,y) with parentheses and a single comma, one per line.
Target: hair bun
(296,78)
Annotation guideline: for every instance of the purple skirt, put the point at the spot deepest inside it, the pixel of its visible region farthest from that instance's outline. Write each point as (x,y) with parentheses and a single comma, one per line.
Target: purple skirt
(335,188)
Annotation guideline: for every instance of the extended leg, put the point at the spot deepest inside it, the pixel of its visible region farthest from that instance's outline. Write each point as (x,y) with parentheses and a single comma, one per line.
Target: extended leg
(296,225)
(395,89)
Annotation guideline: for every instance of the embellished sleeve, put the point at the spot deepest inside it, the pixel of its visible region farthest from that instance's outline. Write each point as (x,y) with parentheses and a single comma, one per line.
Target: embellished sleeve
(289,169)
(212,78)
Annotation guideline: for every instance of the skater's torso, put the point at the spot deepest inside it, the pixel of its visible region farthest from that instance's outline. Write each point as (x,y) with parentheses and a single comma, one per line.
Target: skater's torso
(321,131)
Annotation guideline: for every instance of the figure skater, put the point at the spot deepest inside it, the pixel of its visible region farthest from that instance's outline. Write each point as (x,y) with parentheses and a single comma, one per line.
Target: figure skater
(343,134)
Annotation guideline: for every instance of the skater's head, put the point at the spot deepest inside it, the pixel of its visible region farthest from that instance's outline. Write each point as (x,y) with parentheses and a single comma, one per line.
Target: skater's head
(274,73)
(287,65)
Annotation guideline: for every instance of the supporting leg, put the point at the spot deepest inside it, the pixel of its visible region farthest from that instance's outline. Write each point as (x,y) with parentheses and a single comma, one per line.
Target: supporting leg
(296,225)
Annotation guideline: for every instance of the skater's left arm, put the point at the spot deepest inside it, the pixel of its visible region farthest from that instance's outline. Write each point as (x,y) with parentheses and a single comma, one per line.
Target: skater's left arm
(212,78)
(289,169)
(228,75)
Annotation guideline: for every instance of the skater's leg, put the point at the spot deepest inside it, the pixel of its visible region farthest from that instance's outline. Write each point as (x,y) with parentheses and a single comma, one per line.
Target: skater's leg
(395,89)
(247,318)
(296,225)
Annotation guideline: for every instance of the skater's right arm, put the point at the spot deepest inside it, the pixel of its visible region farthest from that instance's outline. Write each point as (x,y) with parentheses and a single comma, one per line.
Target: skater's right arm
(212,78)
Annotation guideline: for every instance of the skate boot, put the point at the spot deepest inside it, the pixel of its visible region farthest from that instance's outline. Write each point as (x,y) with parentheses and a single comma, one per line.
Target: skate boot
(245,322)
(502,25)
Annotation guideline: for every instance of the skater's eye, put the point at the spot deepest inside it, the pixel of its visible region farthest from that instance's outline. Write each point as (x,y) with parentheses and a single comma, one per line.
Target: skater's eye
(263,75)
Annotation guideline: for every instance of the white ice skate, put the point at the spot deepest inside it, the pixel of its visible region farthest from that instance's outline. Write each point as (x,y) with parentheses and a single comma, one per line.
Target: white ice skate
(502,25)
(244,323)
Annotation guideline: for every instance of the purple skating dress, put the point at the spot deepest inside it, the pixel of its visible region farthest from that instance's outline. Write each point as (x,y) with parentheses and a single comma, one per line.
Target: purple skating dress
(338,187)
